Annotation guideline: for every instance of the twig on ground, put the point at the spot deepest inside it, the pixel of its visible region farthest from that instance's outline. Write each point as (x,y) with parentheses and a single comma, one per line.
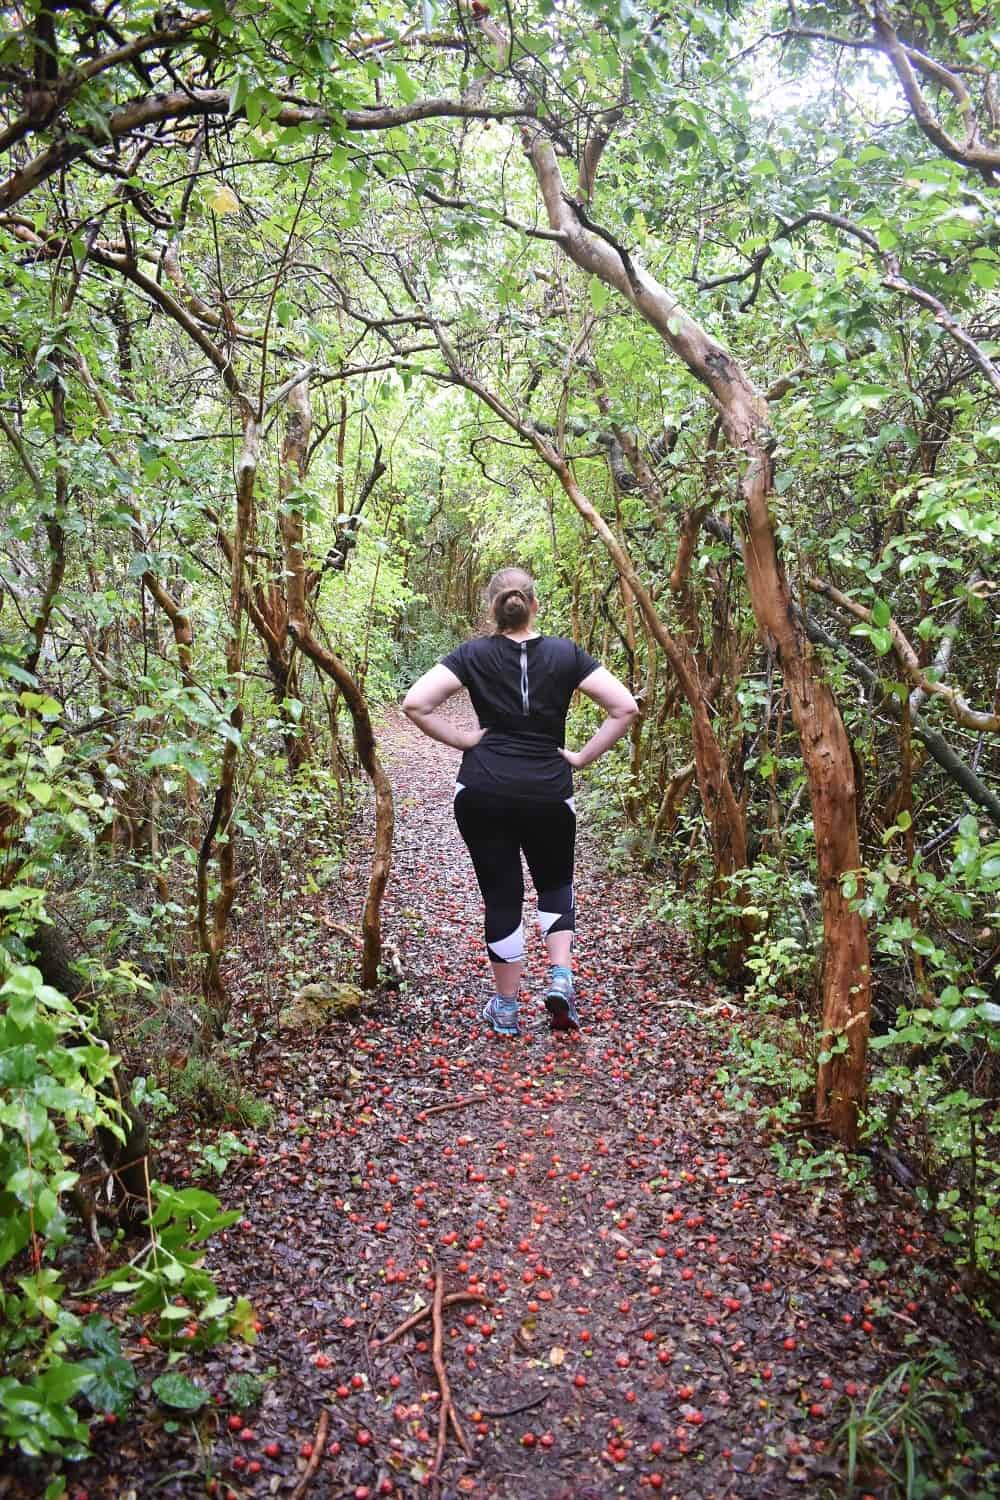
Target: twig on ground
(345,932)
(452,1300)
(440,1109)
(316,1457)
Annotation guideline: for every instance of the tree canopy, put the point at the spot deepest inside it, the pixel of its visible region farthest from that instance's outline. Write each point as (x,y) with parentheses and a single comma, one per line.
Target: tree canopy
(311,315)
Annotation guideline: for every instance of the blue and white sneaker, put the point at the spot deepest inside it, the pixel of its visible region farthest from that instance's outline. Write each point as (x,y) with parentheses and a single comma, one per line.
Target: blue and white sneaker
(560,1000)
(502,1016)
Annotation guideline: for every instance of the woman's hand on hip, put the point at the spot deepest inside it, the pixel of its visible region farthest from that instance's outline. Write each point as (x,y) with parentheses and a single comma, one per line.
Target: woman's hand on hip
(574,757)
(471,738)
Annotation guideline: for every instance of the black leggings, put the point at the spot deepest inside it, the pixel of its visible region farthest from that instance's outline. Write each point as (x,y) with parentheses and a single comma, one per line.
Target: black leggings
(495,831)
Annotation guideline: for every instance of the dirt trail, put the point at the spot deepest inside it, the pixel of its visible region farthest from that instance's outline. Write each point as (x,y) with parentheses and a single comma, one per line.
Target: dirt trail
(665,1315)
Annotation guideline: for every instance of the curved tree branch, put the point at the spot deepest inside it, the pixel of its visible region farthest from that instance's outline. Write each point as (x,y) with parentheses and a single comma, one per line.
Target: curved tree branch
(972,153)
(959,709)
(154,109)
(907,61)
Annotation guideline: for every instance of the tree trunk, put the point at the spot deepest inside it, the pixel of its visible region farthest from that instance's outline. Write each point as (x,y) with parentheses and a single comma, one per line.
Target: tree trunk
(212,935)
(294,457)
(826,751)
(829,763)
(674,793)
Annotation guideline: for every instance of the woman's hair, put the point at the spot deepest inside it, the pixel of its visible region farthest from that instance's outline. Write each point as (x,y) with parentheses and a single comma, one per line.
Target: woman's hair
(510,595)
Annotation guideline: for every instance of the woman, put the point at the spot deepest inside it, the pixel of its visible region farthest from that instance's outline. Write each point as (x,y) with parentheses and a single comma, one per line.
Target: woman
(515,784)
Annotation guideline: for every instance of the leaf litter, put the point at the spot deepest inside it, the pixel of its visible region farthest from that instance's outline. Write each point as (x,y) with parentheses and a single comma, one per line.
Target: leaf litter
(582,1234)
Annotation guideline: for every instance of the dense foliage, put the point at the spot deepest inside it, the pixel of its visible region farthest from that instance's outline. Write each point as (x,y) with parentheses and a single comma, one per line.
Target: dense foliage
(312,316)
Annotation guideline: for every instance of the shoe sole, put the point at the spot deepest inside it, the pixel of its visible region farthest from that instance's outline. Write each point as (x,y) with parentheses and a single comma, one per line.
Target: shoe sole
(560,1018)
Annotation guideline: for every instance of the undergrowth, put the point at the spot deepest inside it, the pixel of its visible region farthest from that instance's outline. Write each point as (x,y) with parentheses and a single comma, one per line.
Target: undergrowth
(935,1045)
(895,1442)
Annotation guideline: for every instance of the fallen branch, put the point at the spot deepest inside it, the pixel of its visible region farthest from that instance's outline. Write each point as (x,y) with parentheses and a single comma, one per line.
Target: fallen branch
(448,1414)
(343,930)
(454,1299)
(440,1109)
(316,1457)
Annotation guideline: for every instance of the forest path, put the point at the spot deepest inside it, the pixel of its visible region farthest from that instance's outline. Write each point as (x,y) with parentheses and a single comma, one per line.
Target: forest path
(666,1315)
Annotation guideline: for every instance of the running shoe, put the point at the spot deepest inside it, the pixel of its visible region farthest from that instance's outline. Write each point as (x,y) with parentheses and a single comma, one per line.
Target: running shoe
(502,1016)
(560,1000)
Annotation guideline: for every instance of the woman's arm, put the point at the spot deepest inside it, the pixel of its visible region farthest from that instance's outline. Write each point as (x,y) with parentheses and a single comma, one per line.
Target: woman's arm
(424,699)
(621,708)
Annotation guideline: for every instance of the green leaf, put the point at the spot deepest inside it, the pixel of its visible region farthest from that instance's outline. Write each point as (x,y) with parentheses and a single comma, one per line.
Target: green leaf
(408,89)
(176,1390)
(238,93)
(984,275)
(795,281)
(258,101)
(163,755)
(243,1321)
(113,1383)
(62,1381)
(599,293)
(881,613)
(101,1337)
(41,704)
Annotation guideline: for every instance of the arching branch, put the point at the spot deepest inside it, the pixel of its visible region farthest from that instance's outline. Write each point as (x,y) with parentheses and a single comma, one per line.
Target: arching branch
(154,109)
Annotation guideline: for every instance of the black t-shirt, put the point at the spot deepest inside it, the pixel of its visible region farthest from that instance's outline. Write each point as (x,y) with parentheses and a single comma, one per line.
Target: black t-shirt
(520,691)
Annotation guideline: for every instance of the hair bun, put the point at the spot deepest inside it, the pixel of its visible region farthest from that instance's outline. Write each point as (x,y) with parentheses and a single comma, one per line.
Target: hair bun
(511,597)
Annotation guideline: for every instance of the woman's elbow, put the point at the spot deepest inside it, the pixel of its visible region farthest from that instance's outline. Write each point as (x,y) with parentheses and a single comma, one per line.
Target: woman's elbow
(414,707)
